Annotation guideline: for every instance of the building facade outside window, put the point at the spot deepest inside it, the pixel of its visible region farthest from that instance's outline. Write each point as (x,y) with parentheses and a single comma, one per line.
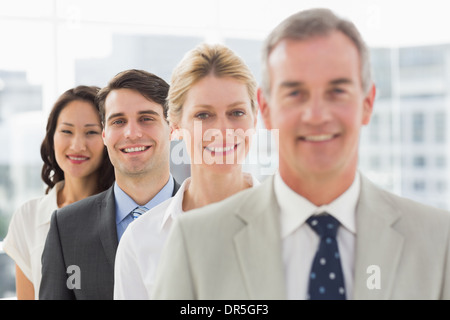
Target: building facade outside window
(49,46)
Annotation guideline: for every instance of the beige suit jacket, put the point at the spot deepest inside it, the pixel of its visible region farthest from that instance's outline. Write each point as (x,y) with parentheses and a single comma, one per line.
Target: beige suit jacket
(232,249)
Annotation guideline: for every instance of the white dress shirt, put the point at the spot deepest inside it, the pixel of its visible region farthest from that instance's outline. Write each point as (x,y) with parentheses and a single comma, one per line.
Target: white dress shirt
(300,242)
(27,233)
(140,248)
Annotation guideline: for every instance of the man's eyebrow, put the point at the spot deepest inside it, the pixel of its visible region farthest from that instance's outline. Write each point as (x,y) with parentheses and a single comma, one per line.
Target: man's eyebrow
(115,115)
(291,84)
(294,84)
(143,112)
(152,112)
(341,81)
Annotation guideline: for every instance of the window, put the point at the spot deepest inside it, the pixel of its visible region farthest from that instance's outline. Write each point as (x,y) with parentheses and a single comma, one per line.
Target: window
(375,129)
(419,185)
(418,127)
(440,127)
(441,161)
(48,46)
(419,162)
(375,162)
(441,186)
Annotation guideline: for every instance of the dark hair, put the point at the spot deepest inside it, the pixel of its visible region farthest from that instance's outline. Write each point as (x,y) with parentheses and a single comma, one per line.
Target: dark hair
(147,84)
(51,171)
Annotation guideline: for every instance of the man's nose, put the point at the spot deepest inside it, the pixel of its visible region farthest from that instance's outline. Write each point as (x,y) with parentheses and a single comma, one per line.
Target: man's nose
(316,111)
(133,130)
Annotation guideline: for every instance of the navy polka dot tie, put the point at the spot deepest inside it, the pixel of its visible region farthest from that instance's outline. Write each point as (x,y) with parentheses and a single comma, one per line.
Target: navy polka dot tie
(326,280)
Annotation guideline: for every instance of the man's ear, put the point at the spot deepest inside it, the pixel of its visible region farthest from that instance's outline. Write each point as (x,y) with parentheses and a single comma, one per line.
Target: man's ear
(103,135)
(368,103)
(264,108)
(255,114)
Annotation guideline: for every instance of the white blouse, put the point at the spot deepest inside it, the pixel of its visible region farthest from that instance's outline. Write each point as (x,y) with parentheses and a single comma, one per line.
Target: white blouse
(141,245)
(27,233)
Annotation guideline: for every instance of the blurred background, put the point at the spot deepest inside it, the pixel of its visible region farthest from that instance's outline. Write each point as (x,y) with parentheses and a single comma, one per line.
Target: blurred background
(49,46)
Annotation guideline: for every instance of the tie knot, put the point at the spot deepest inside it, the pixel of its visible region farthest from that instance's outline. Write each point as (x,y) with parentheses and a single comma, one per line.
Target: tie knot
(324,225)
(136,213)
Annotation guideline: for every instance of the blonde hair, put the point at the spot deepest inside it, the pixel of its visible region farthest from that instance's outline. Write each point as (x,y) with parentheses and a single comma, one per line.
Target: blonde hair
(206,59)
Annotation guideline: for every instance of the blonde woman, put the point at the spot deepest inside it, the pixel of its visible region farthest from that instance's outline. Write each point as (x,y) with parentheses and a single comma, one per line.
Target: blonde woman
(212,107)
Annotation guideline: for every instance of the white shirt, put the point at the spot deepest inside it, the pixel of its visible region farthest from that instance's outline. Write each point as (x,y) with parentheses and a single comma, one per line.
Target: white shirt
(140,248)
(300,242)
(27,233)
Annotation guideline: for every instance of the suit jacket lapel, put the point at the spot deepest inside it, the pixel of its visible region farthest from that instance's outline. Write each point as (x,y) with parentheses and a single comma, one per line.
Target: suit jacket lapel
(258,244)
(176,186)
(107,224)
(378,244)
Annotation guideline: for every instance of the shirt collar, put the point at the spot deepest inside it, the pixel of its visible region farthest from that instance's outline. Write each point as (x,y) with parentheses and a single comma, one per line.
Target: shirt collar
(50,203)
(125,204)
(175,206)
(176,202)
(295,209)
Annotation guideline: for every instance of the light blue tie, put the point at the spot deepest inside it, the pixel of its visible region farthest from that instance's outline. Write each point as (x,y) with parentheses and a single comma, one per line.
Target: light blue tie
(138,211)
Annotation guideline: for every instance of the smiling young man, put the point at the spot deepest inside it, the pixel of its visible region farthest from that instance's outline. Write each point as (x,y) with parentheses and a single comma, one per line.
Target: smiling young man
(79,255)
(317,229)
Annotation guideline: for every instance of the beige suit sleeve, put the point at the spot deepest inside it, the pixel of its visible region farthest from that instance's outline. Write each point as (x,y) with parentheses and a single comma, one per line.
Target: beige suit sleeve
(446,280)
(173,275)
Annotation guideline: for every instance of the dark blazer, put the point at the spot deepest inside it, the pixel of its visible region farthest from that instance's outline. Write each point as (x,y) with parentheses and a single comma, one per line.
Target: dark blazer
(79,253)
